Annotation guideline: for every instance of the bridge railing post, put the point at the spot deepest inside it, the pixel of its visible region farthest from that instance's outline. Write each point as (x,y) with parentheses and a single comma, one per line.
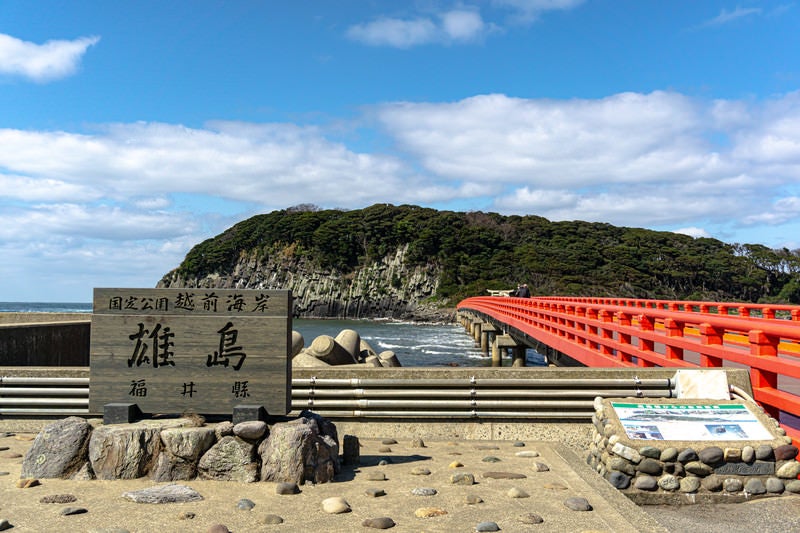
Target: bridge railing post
(673,329)
(624,319)
(763,345)
(647,325)
(606,333)
(710,336)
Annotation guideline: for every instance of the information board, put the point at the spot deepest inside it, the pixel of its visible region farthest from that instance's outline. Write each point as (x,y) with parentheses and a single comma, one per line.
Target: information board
(204,351)
(723,421)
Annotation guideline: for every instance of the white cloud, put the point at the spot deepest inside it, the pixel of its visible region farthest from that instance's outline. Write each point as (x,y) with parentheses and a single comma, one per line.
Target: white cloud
(462,24)
(693,232)
(395,32)
(726,16)
(135,197)
(526,11)
(42,62)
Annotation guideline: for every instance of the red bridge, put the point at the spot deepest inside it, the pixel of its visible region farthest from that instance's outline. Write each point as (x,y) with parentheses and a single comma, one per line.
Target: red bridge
(617,332)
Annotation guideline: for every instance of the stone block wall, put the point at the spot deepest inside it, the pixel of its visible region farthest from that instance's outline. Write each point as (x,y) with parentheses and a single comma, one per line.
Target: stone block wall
(664,471)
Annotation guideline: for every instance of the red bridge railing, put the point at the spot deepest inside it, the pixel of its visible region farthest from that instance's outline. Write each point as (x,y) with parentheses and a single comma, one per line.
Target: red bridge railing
(609,332)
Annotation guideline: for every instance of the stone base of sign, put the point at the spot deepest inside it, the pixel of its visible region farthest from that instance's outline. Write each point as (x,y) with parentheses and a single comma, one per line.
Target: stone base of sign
(304,449)
(672,472)
(245,413)
(121,413)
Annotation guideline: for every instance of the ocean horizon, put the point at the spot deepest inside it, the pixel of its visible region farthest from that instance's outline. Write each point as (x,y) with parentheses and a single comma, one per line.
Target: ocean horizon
(415,344)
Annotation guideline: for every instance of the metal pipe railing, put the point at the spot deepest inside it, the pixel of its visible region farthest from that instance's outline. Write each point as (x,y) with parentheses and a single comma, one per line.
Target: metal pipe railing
(377,397)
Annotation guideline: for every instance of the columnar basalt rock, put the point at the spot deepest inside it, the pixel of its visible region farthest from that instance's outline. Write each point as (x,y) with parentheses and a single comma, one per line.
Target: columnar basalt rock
(387,287)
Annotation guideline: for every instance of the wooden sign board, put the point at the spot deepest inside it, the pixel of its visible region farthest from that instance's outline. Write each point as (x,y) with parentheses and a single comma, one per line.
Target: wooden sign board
(202,351)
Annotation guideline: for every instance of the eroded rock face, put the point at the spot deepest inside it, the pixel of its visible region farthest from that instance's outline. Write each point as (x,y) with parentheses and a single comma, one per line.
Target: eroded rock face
(182,449)
(230,459)
(60,450)
(124,451)
(303,450)
(370,291)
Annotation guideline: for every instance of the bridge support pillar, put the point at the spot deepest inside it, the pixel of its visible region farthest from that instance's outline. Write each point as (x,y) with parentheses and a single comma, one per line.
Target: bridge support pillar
(499,346)
(488,331)
(519,355)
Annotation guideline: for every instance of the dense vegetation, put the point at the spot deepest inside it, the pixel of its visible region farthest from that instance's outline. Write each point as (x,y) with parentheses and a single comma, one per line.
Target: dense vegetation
(479,251)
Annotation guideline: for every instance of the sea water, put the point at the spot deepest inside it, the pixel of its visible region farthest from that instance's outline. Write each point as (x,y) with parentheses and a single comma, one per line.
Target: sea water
(415,344)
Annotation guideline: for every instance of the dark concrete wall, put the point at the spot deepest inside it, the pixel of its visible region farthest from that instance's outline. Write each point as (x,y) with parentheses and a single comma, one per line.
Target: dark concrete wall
(45,344)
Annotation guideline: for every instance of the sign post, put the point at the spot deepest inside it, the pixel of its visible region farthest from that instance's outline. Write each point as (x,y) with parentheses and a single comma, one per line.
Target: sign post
(204,351)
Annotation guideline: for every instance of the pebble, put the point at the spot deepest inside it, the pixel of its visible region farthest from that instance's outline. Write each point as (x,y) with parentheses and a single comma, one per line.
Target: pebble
(669,482)
(385,449)
(527,453)
(428,512)
(472,499)
(669,455)
(245,505)
(286,487)
(504,475)
(463,478)
(712,483)
(417,443)
(748,454)
(11,455)
(420,471)
(388,441)
(26,483)
(58,498)
(484,447)
(375,493)
(651,452)
(383,522)
(645,482)
(793,486)
(384,461)
(250,429)
(515,492)
(713,455)
(686,456)
(67,511)
(540,467)
(531,518)
(4,448)
(272,520)
(755,486)
(424,491)
(764,453)
(732,485)
(24,438)
(4,473)
(555,486)
(690,484)
(619,480)
(774,485)
(487,526)
(335,505)
(491,459)
(376,476)
(785,452)
(518,444)
(188,515)
(455,464)
(5,524)
(577,503)
(218,528)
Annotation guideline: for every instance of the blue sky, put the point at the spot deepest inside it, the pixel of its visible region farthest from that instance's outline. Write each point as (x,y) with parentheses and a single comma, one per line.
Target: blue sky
(130,131)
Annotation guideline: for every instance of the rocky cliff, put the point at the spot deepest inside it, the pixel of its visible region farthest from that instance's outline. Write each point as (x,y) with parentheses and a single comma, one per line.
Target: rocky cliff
(387,288)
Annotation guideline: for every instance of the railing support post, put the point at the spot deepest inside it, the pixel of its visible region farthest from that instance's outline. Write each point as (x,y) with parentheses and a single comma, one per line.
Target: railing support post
(710,336)
(647,325)
(624,320)
(605,333)
(674,329)
(763,345)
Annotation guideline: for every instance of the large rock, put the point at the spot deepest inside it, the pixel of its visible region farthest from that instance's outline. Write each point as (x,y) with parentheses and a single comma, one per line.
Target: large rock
(182,449)
(124,451)
(303,450)
(230,459)
(60,450)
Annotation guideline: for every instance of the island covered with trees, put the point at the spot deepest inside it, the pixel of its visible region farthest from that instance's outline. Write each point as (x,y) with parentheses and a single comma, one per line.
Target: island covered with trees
(471,252)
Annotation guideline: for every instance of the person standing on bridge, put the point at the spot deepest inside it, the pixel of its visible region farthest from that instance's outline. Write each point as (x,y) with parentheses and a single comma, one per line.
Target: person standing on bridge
(523,291)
